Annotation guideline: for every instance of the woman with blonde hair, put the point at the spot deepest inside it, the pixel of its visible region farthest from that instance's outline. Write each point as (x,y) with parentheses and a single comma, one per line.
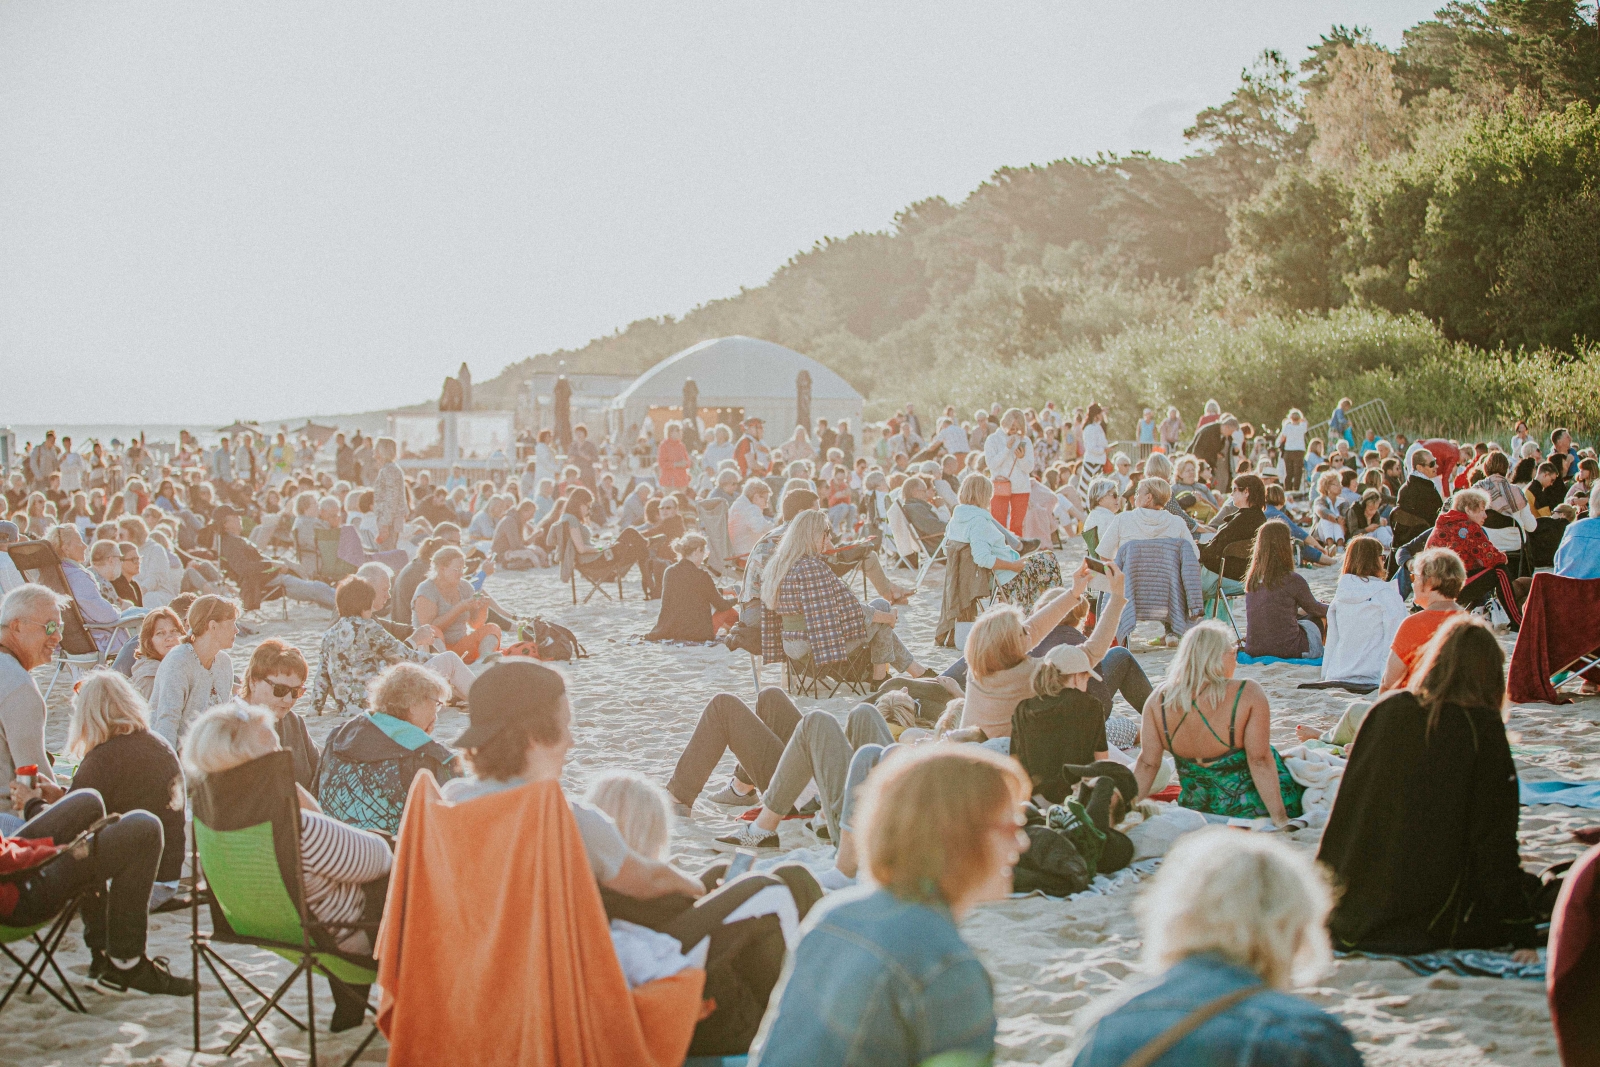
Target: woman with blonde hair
(448,603)
(1231,922)
(881,974)
(832,623)
(1240,777)
(1000,672)
(198,674)
(1009,454)
(973,524)
(641,809)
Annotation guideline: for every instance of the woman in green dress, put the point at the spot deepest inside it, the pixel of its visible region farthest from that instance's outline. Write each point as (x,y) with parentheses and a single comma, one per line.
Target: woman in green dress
(1219,733)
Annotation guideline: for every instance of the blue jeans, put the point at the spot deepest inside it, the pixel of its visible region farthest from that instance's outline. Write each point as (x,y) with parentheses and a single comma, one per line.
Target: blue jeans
(305,589)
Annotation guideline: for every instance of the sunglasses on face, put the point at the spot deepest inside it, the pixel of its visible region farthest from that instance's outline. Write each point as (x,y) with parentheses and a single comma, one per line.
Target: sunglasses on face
(50,628)
(280,690)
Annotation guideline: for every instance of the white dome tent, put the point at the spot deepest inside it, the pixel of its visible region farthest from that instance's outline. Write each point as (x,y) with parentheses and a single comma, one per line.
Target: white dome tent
(741,377)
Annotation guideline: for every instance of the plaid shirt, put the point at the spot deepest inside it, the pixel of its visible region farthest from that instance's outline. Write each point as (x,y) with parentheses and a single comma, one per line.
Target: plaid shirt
(834,618)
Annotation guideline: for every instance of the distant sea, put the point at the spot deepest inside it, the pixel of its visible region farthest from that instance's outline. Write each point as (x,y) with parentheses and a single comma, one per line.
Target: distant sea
(369,422)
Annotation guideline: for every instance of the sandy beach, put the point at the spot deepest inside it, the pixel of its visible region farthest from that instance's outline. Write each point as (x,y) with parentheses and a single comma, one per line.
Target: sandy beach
(635,706)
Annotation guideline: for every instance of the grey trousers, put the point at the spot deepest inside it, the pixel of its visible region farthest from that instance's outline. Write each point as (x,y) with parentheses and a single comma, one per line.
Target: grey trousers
(821,750)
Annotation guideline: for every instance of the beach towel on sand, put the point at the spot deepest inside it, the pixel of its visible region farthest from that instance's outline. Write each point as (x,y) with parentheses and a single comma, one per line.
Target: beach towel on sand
(1560,791)
(495,948)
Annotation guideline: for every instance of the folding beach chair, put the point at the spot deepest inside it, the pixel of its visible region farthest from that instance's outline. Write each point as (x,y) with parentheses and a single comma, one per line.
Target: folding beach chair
(353,551)
(1220,601)
(597,573)
(712,515)
(246,859)
(42,958)
(79,652)
(804,677)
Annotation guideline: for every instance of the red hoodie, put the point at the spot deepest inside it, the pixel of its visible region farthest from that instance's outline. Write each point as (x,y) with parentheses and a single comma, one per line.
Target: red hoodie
(1457,532)
(18,854)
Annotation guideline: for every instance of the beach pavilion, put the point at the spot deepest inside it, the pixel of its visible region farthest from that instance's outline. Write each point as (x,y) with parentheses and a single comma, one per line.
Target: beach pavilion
(738,378)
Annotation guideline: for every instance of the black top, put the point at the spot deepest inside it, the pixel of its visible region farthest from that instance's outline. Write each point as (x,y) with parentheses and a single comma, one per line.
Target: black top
(689,598)
(295,738)
(1241,526)
(128,590)
(1418,497)
(1423,835)
(1048,732)
(923,519)
(139,771)
(1215,448)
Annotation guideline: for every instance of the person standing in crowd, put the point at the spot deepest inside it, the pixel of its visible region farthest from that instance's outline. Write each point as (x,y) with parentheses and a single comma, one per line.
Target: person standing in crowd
(1147,434)
(584,455)
(389,502)
(1009,453)
(1213,446)
(1292,440)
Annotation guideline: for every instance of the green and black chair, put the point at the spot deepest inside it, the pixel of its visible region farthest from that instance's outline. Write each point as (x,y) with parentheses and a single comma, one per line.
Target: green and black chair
(46,938)
(246,858)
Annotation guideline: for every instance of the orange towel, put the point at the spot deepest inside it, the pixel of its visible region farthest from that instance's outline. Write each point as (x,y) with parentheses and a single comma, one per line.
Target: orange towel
(495,948)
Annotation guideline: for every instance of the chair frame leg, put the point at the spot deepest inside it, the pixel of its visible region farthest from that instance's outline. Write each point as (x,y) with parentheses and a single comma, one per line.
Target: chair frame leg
(42,958)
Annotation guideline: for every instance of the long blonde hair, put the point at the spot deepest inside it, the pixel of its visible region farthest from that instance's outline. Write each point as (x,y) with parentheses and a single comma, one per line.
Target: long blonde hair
(106,706)
(1196,673)
(802,538)
(997,642)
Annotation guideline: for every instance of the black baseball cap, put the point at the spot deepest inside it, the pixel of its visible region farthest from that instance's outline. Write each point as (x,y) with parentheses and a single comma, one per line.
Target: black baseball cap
(508,693)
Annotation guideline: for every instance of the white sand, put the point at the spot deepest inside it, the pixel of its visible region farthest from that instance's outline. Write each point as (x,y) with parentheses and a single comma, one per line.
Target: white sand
(636,705)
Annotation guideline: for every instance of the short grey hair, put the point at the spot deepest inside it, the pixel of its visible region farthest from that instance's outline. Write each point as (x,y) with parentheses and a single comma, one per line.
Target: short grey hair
(1101,488)
(372,567)
(28,599)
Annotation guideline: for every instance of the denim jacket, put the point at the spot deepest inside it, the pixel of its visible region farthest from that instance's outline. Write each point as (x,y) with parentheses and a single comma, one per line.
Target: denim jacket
(1270,1029)
(878,982)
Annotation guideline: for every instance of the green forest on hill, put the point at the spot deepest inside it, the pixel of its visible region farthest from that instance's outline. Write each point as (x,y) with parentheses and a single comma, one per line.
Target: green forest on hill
(1420,225)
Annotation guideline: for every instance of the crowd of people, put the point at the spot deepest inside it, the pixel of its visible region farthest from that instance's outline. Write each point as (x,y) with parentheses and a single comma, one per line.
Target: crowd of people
(934,788)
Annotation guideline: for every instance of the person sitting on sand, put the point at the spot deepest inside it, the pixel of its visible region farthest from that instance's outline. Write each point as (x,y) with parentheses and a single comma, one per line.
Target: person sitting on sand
(690,599)
(447,603)
(1312,551)
(275,679)
(1285,618)
(881,974)
(198,674)
(357,648)
(345,869)
(1230,924)
(1437,578)
(159,634)
(1422,839)
(833,624)
(1365,518)
(1363,616)
(1237,775)
(370,761)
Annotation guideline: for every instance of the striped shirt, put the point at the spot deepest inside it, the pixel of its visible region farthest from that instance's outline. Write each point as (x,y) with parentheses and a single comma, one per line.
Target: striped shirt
(337,860)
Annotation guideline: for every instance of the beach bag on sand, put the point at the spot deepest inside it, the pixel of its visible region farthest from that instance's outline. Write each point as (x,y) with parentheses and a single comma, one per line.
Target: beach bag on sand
(553,642)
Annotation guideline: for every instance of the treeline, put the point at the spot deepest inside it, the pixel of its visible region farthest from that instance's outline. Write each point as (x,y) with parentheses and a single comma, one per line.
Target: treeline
(1419,224)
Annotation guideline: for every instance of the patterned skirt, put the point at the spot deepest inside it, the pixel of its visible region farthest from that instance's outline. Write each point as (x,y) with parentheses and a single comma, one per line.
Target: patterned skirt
(1040,571)
(1226,788)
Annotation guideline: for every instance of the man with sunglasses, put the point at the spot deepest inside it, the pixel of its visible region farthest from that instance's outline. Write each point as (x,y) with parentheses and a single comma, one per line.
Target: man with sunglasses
(113,869)
(30,633)
(1419,498)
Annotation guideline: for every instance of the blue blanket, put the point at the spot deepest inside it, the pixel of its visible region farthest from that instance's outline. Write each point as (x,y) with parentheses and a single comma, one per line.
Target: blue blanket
(1470,962)
(1245,658)
(1558,791)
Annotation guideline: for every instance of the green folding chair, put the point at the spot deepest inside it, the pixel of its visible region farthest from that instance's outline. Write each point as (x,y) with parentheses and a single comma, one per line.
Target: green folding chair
(246,856)
(1221,603)
(331,568)
(42,959)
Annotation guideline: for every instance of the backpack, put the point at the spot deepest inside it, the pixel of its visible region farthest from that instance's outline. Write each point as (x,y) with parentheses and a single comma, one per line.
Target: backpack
(554,642)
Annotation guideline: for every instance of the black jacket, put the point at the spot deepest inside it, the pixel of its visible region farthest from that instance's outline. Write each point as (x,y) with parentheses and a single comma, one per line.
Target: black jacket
(1419,497)
(366,775)
(689,598)
(1242,526)
(1214,447)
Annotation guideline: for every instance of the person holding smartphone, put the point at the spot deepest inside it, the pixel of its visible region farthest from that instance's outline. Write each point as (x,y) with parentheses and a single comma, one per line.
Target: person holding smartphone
(1009,454)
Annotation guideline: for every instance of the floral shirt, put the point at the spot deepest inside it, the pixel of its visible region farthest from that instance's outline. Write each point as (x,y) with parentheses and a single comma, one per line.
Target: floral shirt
(355,651)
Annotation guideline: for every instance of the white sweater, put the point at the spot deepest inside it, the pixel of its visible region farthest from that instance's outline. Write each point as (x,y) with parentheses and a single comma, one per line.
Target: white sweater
(1362,619)
(1140,524)
(1001,455)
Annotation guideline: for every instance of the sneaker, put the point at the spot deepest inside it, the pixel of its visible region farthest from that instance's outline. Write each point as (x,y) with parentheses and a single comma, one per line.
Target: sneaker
(728,798)
(146,976)
(98,962)
(750,836)
(819,826)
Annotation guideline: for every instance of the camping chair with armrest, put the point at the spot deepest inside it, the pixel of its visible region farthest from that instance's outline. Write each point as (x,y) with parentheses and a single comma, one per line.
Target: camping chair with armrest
(1220,601)
(597,573)
(803,676)
(79,652)
(968,592)
(901,546)
(331,566)
(253,591)
(246,859)
(712,515)
(1091,541)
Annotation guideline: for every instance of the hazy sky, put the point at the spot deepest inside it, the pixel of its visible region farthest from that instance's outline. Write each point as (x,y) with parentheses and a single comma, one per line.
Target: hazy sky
(216,210)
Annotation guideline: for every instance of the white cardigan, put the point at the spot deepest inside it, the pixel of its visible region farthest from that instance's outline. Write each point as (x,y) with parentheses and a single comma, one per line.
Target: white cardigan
(1004,462)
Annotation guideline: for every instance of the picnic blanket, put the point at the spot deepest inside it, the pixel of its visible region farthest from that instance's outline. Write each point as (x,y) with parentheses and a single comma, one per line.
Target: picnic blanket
(1245,657)
(1468,962)
(1559,791)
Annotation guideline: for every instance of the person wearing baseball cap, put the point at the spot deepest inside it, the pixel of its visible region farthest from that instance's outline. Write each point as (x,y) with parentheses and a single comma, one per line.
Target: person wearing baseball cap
(1062,724)
(520,732)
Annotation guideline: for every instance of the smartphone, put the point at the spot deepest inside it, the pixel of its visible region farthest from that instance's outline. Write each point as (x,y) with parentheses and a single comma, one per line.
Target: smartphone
(1095,565)
(743,859)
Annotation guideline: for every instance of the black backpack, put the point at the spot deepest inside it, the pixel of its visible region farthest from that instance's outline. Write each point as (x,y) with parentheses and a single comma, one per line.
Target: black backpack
(555,642)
